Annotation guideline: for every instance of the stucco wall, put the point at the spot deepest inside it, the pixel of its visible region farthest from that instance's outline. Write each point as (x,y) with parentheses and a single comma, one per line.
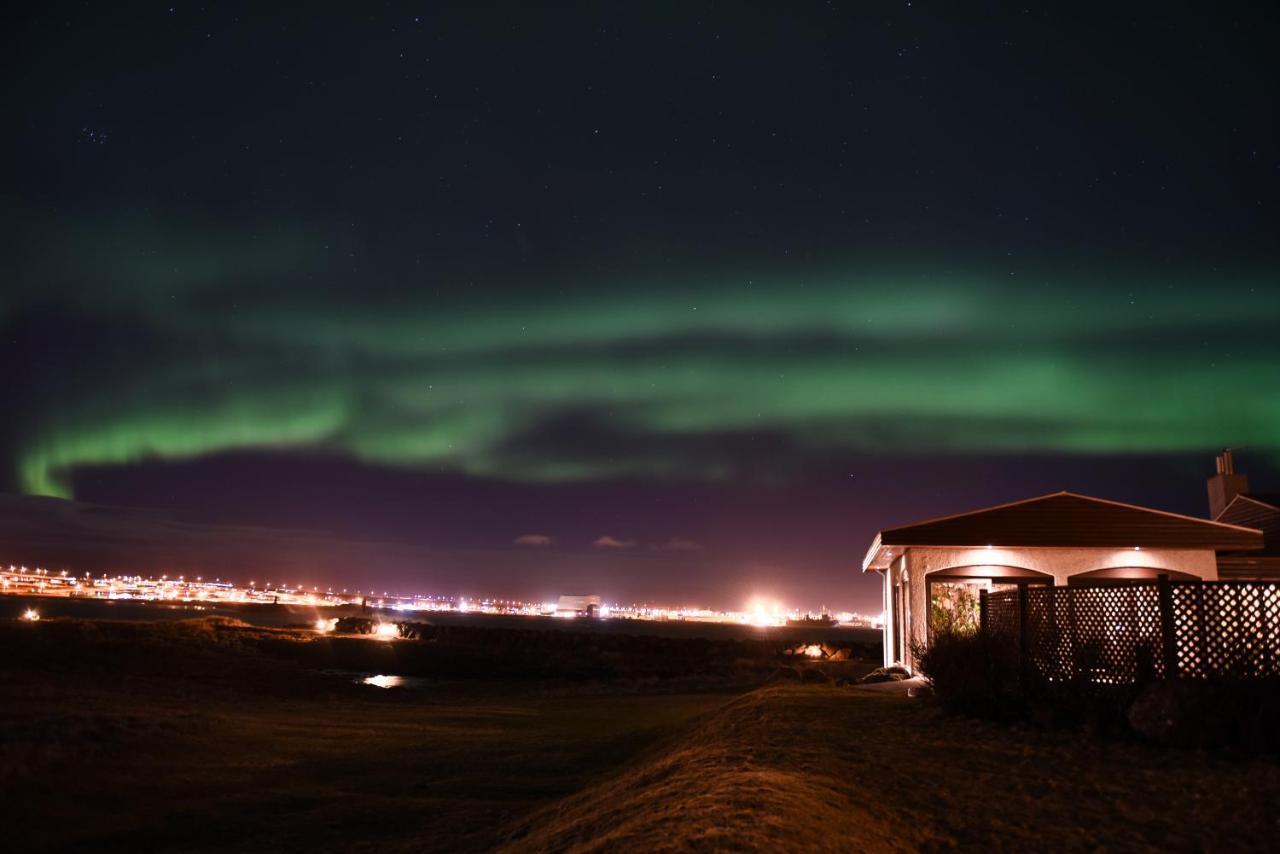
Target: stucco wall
(1061,564)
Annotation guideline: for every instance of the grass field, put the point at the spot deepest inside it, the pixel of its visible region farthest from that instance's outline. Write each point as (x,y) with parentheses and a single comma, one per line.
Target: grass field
(176,739)
(822,768)
(272,774)
(165,736)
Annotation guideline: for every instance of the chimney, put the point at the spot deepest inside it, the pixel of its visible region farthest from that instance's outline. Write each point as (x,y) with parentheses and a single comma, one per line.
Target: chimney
(1225,485)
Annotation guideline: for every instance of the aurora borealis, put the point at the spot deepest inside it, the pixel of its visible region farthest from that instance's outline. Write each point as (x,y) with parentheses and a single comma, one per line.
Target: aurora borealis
(677,385)
(670,251)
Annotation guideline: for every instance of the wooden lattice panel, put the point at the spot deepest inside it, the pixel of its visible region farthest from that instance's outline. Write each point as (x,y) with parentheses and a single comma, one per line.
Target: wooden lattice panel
(1121,634)
(1105,635)
(1002,614)
(1044,632)
(1227,629)
(1191,629)
(1114,633)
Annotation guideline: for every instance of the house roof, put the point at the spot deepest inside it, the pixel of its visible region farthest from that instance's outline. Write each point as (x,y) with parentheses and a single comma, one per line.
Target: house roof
(1256,511)
(1264,500)
(1064,519)
(1251,566)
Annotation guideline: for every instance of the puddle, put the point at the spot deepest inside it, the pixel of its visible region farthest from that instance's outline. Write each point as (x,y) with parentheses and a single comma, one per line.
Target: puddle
(383,680)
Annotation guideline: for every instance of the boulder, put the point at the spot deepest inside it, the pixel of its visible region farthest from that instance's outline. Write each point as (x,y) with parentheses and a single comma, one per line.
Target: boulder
(886,674)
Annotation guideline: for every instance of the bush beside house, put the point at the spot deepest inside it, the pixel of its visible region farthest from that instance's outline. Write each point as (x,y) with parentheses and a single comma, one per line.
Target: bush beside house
(973,674)
(980,676)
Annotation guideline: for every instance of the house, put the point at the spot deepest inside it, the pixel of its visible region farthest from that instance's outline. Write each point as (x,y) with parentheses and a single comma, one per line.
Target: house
(1231,501)
(933,571)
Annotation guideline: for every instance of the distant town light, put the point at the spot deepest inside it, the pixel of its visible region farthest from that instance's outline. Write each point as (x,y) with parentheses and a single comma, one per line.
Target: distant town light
(762,611)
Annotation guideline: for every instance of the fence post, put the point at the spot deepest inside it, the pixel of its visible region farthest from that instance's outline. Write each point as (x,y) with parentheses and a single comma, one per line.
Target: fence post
(1168,636)
(1022,624)
(1073,633)
(983,609)
(1268,664)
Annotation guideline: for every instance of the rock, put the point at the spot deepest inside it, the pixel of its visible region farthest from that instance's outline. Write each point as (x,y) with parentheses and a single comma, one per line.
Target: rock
(815,676)
(886,674)
(785,674)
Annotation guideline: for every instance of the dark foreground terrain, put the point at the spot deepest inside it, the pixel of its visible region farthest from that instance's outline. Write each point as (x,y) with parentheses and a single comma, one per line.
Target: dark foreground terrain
(212,736)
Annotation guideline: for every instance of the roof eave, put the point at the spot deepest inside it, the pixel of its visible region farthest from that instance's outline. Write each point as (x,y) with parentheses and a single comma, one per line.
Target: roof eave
(1243,496)
(868,562)
(888,546)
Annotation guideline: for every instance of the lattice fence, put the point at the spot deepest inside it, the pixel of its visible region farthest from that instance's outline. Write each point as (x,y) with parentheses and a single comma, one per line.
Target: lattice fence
(1229,628)
(1133,633)
(1000,613)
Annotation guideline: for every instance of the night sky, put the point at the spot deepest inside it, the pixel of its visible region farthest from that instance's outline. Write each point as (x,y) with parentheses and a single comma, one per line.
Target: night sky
(670,302)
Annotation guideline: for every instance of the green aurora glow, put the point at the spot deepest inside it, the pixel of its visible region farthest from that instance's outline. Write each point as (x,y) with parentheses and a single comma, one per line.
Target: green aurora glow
(217,343)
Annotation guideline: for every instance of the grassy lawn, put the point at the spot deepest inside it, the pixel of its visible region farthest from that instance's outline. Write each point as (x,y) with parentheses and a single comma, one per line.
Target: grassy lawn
(180,738)
(143,771)
(820,768)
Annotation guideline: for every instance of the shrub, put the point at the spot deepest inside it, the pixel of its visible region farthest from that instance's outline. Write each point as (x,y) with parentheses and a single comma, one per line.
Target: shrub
(973,674)
(814,675)
(1217,712)
(954,609)
(785,674)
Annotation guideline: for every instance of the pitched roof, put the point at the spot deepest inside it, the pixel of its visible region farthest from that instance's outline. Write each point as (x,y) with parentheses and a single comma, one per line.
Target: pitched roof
(1256,511)
(1249,506)
(1270,499)
(1065,519)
